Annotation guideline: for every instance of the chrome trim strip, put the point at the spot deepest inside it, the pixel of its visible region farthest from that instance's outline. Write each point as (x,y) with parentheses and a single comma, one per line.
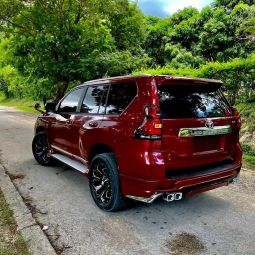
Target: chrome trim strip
(204,131)
(69,154)
(146,199)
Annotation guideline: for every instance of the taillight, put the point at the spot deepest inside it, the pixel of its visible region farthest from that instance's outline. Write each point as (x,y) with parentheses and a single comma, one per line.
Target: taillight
(237,118)
(151,127)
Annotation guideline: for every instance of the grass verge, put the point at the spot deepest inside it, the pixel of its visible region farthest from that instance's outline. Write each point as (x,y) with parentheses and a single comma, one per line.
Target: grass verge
(248,157)
(20,104)
(11,242)
(247,112)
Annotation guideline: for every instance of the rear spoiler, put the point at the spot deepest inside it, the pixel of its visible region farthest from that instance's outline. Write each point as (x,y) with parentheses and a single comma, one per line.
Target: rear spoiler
(168,80)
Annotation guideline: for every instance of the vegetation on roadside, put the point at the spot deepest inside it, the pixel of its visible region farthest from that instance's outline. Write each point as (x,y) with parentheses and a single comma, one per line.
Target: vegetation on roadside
(11,242)
(23,104)
(47,47)
(237,75)
(248,156)
(247,134)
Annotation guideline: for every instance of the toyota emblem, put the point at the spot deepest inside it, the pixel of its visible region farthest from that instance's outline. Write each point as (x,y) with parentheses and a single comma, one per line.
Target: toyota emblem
(209,124)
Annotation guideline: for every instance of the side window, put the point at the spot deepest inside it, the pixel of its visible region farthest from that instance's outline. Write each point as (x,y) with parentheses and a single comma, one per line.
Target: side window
(94,101)
(120,96)
(71,101)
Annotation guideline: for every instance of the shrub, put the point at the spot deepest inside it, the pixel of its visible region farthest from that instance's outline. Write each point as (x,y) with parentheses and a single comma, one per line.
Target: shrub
(237,75)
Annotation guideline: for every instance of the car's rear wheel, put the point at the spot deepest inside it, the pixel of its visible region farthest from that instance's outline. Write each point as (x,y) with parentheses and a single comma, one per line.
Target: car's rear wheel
(104,183)
(40,148)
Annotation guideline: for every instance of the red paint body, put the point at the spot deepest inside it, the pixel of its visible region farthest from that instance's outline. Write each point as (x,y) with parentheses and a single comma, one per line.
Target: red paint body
(144,164)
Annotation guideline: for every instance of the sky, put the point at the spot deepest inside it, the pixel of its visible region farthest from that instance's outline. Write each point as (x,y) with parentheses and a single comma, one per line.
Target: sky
(164,8)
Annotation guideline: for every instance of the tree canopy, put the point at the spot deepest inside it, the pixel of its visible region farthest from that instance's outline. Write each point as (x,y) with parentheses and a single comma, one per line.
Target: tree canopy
(47,47)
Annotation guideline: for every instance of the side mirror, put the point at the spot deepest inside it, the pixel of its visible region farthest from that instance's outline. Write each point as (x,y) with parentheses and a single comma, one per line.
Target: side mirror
(50,107)
(37,108)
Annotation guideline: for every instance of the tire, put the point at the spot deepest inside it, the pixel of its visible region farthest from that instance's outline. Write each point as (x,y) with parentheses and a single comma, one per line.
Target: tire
(104,183)
(40,148)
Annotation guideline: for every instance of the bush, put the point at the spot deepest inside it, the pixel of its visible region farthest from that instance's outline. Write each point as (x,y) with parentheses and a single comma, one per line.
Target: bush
(250,160)
(237,75)
(248,150)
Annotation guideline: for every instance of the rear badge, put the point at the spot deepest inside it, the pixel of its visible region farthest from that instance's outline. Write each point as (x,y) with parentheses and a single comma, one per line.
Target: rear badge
(209,124)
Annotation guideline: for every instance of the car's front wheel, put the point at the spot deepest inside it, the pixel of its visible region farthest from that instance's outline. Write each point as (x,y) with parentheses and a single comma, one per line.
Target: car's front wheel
(104,183)
(40,149)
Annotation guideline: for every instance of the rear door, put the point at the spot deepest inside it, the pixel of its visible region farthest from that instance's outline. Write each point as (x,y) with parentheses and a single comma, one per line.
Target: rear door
(86,123)
(198,126)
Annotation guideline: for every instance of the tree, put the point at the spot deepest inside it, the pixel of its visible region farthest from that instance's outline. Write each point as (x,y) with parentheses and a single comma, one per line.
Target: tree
(228,5)
(62,41)
(221,38)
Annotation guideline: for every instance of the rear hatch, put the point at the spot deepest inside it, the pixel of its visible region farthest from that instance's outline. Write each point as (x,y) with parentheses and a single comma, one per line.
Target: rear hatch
(198,126)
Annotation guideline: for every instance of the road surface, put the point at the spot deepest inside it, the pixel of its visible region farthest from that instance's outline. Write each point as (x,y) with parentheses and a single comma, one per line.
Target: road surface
(221,221)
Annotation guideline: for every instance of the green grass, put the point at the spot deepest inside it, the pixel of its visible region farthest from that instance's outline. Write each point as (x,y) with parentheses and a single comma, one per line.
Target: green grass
(11,242)
(20,104)
(5,212)
(247,113)
(248,157)
(246,110)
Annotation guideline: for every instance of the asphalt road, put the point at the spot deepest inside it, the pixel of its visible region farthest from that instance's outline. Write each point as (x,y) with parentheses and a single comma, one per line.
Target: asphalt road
(221,221)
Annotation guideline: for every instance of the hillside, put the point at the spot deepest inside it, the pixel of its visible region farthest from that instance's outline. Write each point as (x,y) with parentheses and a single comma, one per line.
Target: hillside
(247,135)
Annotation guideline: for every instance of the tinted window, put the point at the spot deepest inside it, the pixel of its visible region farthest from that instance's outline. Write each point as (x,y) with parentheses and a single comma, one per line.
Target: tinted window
(71,101)
(120,96)
(189,102)
(94,101)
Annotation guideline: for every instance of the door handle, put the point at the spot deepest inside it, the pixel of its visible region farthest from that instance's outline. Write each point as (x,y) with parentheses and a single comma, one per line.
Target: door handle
(93,124)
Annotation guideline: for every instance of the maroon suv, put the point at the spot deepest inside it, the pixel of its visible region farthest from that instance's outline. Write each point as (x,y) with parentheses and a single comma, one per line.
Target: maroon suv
(143,137)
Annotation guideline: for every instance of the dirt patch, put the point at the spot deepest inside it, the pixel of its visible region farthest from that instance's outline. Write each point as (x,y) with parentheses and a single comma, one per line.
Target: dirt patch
(185,244)
(29,203)
(16,176)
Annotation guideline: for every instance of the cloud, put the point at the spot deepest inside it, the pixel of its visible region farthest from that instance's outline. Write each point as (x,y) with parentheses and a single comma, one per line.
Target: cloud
(152,7)
(164,8)
(172,7)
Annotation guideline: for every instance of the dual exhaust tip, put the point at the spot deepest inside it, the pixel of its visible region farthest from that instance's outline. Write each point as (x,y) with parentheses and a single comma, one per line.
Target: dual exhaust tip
(168,196)
(174,196)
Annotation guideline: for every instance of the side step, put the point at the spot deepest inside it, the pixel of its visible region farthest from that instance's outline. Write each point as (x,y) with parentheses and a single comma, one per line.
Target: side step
(71,162)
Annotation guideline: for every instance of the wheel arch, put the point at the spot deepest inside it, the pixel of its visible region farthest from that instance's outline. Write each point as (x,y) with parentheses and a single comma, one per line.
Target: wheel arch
(40,129)
(99,149)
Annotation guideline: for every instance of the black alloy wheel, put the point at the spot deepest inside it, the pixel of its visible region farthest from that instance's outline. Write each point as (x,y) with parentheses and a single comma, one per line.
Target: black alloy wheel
(101,183)
(104,183)
(40,149)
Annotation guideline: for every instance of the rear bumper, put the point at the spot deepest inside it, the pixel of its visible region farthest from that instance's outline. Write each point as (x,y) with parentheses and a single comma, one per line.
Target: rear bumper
(188,186)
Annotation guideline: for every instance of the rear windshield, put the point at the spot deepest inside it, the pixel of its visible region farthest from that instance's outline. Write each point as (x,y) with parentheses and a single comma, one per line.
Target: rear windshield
(177,102)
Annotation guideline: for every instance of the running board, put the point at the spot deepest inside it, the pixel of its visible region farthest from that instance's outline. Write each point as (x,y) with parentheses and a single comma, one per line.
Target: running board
(71,162)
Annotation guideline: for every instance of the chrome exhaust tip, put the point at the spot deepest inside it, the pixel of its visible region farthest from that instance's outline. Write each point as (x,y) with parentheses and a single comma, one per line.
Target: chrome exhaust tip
(235,180)
(170,197)
(178,196)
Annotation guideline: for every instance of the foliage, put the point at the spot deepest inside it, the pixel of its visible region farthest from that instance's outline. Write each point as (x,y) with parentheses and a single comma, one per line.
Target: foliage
(48,47)
(247,110)
(247,134)
(58,43)
(237,75)
(247,149)
(214,34)
(250,161)
(248,156)
(23,104)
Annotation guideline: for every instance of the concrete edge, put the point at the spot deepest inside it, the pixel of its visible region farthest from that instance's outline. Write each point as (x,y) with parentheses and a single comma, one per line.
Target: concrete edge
(28,227)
